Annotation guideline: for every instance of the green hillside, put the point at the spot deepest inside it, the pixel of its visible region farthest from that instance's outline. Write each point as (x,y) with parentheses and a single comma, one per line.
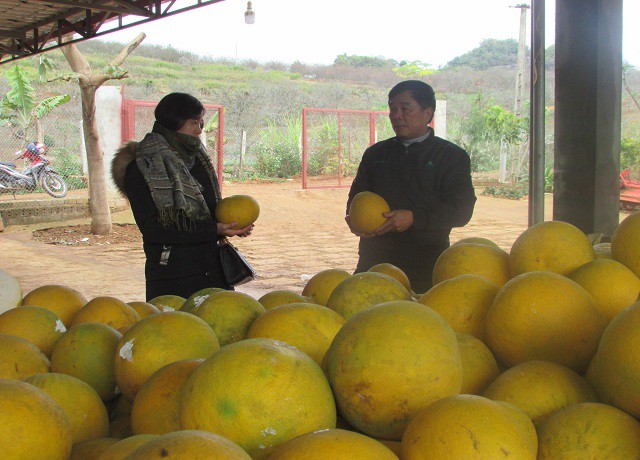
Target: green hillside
(265,99)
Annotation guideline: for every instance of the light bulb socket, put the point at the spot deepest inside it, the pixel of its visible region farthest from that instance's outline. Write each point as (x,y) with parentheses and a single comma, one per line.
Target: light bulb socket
(249,15)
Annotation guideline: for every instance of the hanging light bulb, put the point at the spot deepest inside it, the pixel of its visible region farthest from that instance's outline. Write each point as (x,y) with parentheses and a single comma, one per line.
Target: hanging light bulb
(249,15)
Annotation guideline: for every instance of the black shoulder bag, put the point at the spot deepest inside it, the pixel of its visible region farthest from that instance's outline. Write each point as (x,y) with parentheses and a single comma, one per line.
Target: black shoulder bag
(236,269)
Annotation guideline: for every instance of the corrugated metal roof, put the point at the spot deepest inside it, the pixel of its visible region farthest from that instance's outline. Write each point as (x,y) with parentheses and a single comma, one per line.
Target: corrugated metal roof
(29,27)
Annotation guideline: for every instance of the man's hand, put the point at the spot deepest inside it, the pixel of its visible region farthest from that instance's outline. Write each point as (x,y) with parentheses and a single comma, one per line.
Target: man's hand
(397,221)
(227,230)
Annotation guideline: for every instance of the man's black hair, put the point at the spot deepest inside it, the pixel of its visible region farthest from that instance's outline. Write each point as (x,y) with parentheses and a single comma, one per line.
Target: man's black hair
(175,109)
(422,92)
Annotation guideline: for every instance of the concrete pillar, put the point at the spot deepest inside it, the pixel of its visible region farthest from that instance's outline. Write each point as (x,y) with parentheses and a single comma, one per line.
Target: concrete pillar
(440,119)
(109,121)
(587,113)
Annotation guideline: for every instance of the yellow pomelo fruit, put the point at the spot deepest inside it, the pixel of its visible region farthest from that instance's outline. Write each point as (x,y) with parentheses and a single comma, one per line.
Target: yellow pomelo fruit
(10,291)
(479,366)
(37,325)
(80,403)
(156,341)
(308,327)
(91,449)
(589,430)
(552,246)
(614,371)
(230,314)
(280,297)
(463,302)
(189,445)
(364,290)
(144,309)
(602,250)
(20,359)
(62,300)
(625,243)
(477,240)
(393,446)
(121,449)
(258,393)
(398,338)
(612,285)
(469,426)
(194,301)
(540,388)
(87,352)
(107,310)
(155,409)
(242,209)
(393,272)
(543,316)
(472,258)
(32,424)
(365,212)
(332,444)
(167,302)
(321,285)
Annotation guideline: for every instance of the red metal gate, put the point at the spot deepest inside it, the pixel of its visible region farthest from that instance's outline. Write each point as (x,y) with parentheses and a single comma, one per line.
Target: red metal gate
(138,119)
(333,141)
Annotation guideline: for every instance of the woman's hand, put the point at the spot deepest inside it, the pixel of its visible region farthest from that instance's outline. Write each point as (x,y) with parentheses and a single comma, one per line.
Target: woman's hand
(227,230)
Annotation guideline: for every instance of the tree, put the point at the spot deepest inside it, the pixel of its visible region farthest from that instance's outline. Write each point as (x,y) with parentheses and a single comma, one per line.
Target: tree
(413,69)
(507,129)
(19,108)
(89,83)
(491,52)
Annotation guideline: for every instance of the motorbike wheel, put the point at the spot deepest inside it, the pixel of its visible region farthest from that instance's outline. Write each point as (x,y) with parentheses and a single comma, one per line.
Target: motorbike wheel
(54,185)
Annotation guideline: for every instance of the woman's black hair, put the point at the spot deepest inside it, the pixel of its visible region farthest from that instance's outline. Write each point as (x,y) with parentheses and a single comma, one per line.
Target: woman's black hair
(422,92)
(175,109)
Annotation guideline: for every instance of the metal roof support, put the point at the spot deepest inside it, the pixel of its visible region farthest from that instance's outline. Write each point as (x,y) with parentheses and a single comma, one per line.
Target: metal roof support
(536,116)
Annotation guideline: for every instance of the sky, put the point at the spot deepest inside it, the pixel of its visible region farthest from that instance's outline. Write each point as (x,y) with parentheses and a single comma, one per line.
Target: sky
(430,31)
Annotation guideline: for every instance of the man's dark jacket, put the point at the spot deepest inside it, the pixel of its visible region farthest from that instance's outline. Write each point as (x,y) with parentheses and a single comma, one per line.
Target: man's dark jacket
(432,179)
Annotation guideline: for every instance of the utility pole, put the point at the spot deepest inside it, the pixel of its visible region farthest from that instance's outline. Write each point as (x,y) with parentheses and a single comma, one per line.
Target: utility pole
(519,81)
(521,57)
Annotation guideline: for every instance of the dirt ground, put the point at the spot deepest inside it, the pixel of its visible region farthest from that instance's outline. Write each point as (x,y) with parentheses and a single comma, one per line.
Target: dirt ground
(299,232)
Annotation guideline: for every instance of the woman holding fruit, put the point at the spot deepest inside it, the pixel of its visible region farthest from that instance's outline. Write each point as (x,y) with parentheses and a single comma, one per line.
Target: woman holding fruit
(172,188)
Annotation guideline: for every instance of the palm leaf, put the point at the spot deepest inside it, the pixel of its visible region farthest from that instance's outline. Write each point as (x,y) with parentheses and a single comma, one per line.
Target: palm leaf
(21,94)
(47,105)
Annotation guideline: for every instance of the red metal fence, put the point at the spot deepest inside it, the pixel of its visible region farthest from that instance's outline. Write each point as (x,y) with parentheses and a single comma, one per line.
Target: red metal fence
(333,141)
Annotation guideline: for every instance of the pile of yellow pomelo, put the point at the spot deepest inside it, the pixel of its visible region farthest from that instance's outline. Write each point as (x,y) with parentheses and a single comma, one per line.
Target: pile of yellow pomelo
(531,353)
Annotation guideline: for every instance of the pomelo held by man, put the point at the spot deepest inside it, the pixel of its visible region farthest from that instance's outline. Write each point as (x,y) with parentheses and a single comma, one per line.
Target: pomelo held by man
(365,212)
(242,209)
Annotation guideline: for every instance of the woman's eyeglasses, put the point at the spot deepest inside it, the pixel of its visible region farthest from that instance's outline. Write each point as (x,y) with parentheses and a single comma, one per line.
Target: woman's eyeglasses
(198,122)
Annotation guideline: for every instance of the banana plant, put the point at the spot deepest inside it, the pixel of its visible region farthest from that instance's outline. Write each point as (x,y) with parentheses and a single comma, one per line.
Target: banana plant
(19,107)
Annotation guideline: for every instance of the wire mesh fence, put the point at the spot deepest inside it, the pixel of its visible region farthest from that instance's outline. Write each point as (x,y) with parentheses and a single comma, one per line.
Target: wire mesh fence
(266,147)
(61,132)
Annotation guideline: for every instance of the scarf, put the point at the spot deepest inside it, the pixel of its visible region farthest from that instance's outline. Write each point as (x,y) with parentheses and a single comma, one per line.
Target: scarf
(164,158)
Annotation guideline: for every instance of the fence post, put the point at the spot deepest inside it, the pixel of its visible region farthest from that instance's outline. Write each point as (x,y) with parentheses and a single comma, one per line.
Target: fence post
(304,148)
(243,147)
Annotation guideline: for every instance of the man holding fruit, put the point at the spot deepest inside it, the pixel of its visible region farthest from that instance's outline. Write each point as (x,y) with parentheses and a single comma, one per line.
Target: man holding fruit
(426,180)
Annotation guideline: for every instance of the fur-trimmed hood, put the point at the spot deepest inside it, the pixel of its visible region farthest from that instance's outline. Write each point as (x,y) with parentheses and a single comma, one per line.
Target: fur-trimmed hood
(121,160)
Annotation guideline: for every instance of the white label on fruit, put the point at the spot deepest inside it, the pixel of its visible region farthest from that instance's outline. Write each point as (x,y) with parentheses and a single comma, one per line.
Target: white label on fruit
(126,352)
(166,308)
(267,431)
(197,301)
(60,326)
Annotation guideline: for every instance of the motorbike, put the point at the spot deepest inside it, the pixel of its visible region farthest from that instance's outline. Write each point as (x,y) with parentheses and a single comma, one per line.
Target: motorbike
(38,171)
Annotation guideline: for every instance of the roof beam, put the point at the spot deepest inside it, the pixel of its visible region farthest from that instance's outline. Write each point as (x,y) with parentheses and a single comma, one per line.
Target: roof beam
(124,6)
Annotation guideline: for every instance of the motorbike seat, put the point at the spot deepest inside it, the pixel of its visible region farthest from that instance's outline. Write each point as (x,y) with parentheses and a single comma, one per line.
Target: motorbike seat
(8,163)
